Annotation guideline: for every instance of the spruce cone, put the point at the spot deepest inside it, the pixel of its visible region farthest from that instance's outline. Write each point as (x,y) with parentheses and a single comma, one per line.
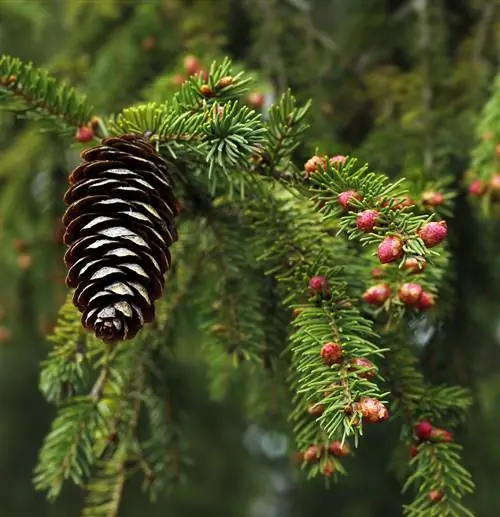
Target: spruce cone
(119,226)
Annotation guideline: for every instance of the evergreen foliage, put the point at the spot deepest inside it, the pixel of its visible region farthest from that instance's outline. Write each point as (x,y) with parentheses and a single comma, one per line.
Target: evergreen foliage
(320,323)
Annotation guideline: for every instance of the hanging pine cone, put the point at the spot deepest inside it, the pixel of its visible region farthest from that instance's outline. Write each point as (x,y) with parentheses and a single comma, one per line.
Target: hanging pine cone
(119,226)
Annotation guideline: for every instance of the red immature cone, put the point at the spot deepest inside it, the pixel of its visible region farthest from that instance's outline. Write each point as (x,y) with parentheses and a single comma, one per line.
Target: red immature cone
(316,410)
(426,301)
(336,161)
(331,353)
(256,100)
(313,165)
(477,188)
(377,272)
(366,367)
(328,469)
(413,450)
(441,435)
(377,294)
(312,454)
(410,293)
(337,449)
(432,198)
(415,265)
(192,65)
(366,220)
(435,496)
(319,285)
(84,134)
(433,233)
(398,202)
(390,249)
(373,410)
(423,430)
(346,198)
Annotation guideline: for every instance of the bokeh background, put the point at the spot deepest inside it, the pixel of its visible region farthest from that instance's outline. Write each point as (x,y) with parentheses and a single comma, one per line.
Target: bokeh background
(398,83)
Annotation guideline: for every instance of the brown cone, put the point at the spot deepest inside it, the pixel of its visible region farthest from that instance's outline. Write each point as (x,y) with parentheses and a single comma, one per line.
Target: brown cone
(119,226)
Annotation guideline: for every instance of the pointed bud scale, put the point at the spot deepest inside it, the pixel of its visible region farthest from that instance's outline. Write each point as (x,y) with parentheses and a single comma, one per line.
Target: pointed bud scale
(410,293)
(316,410)
(337,449)
(312,454)
(366,220)
(426,301)
(367,369)
(435,496)
(328,468)
(433,233)
(346,198)
(84,134)
(390,249)
(477,188)
(423,430)
(192,65)
(373,410)
(336,161)
(377,294)
(413,450)
(319,285)
(432,198)
(441,435)
(314,164)
(331,353)
(415,265)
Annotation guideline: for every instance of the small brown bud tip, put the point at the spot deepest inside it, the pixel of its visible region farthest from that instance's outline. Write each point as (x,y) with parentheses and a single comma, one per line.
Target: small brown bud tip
(337,449)
(367,369)
(95,123)
(19,245)
(148,43)
(11,79)
(296,312)
(423,430)
(316,410)
(25,261)
(377,294)
(5,335)
(311,455)
(331,353)
(410,293)
(314,164)
(390,249)
(366,220)
(432,198)
(226,81)
(435,496)
(377,272)
(426,301)
(346,198)
(256,100)
(441,435)
(373,410)
(477,188)
(494,184)
(413,450)
(415,265)
(328,469)
(487,136)
(84,134)
(206,91)
(319,285)
(178,79)
(192,65)
(337,161)
(433,233)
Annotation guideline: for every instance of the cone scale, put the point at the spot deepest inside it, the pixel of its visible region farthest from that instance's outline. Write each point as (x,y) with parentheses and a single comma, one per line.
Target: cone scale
(118,229)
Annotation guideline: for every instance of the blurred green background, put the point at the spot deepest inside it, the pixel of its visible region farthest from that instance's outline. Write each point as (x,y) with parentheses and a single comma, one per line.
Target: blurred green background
(397,83)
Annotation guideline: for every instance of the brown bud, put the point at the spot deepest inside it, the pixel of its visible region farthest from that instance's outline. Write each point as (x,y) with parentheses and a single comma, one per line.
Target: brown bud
(373,410)
(225,81)
(24,261)
(206,91)
(312,454)
(338,449)
(367,369)
(435,496)
(316,410)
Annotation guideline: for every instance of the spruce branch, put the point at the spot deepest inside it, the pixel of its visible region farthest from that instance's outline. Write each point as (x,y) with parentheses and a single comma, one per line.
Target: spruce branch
(33,92)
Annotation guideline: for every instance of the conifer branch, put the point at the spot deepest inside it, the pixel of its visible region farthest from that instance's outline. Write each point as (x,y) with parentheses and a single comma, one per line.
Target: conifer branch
(32,91)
